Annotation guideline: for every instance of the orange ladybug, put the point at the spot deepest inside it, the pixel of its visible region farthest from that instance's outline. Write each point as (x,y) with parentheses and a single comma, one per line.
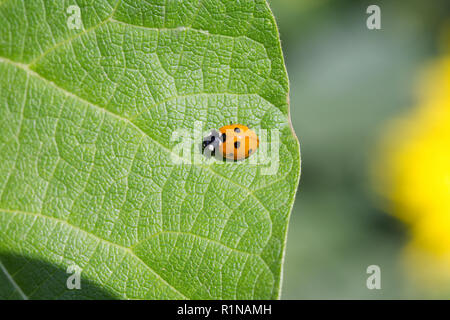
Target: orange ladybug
(233,142)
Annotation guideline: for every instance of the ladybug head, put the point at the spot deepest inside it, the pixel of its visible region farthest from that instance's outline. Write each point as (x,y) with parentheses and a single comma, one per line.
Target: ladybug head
(210,143)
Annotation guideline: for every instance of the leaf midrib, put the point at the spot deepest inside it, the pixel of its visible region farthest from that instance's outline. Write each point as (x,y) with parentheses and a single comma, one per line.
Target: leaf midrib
(11,280)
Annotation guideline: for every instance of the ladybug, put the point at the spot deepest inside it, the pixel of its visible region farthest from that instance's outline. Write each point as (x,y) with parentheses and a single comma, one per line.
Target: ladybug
(234,142)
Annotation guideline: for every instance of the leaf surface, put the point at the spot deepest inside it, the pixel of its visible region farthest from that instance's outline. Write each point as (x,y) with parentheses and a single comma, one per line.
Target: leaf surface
(87,176)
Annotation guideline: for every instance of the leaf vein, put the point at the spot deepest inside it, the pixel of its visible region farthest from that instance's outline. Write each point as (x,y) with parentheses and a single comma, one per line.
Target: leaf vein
(14,283)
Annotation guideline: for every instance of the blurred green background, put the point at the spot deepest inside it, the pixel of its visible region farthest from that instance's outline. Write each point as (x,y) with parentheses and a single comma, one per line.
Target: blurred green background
(346,82)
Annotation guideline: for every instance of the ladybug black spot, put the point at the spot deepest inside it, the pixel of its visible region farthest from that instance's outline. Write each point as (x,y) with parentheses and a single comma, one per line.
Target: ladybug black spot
(224,137)
(237,144)
(237,130)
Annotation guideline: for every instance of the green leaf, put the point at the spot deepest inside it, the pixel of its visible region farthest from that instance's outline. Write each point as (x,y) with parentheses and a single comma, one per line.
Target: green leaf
(86,170)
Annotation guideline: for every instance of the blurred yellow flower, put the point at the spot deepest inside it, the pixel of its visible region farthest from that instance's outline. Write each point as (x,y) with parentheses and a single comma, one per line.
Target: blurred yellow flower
(413,172)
